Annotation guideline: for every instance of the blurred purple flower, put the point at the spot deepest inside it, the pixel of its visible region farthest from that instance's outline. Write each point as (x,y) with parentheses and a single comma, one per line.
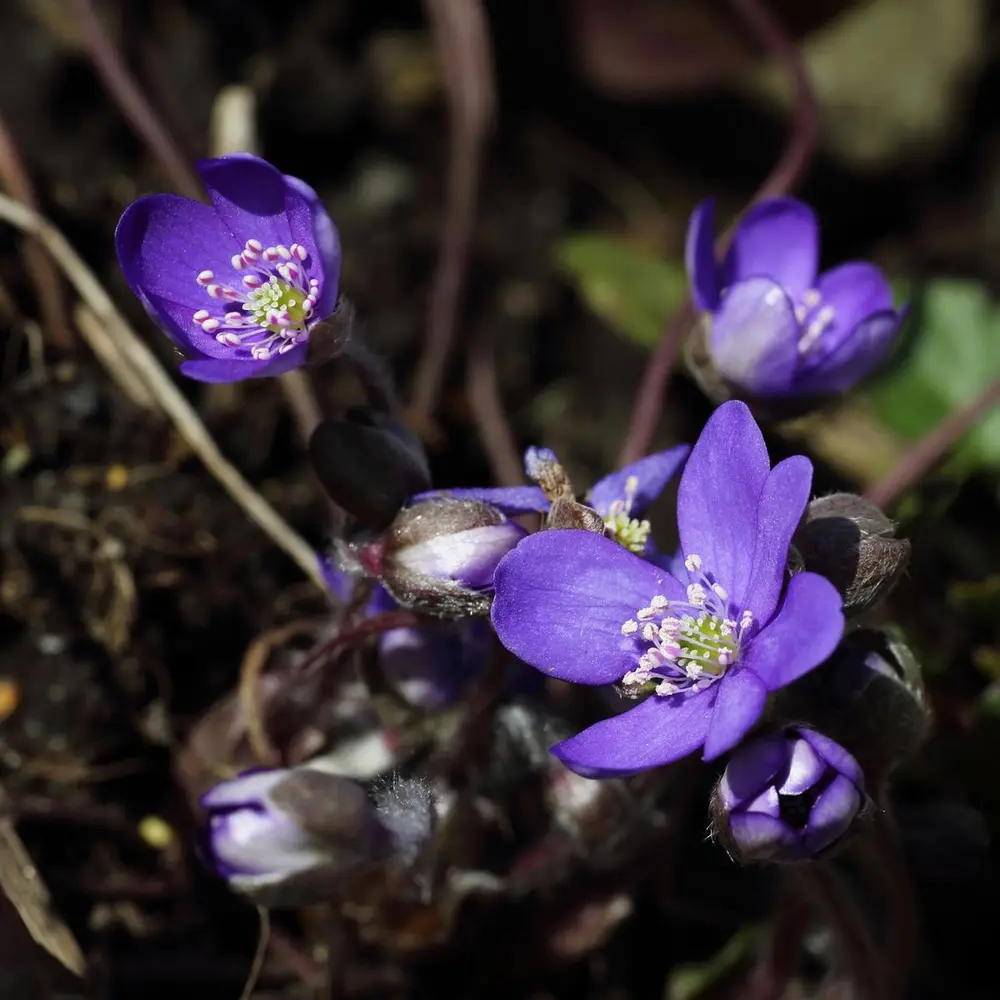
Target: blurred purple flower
(787,797)
(621,498)
(707,651)
(238,284)
(430,665)
(285,836)
(248,835)
(778,329)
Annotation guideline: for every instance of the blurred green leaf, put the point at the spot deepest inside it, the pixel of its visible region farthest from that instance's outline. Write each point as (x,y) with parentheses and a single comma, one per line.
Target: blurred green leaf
(632,290)
(953,353)
(687,982)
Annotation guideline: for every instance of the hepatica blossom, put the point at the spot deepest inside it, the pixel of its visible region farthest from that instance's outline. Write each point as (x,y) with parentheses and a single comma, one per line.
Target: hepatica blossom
(704,651)
(621,498)
(777,327)
(237,284)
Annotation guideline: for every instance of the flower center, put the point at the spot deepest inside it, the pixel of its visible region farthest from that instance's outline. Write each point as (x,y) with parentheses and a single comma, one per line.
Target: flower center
(688,645)
(276,297)
(621,527)
(820,317)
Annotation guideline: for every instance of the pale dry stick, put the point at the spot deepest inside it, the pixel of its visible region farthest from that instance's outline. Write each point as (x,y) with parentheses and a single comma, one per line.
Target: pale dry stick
(932,448)
(106,350)
(23,886)
(149,370)
(259,955)
(787,172)
(254,661)
(462,34)
(111,66)
(43,275)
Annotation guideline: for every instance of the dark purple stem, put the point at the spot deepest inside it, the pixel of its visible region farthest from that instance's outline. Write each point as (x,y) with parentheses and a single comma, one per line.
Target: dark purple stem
(488,409)
(783,178)
(111,66)
(354,635)
(932,448)
(462,34)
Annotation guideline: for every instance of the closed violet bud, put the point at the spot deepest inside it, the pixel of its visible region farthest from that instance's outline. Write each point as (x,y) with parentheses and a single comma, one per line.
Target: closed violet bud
(852,543)
(438,556)
(369,464)
(787,797)
(290,836)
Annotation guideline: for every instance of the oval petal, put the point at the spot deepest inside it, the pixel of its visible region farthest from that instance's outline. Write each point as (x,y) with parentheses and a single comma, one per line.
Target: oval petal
(562,598)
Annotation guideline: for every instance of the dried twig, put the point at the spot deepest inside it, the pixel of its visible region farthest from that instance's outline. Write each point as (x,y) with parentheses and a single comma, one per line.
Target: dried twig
(462,34)
(104,347)
(785,175)
(111,66)
(23,886)
(148,370)
(43,275)
(249,688)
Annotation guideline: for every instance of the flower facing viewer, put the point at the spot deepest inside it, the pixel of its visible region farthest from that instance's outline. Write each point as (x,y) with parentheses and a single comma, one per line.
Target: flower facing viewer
(704,651)
(787,797)
(778,328)
(237,284)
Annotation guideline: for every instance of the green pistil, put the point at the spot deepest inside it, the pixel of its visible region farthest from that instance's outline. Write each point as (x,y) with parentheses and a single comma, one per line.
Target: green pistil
(279,296)
(628,531)
(706,641)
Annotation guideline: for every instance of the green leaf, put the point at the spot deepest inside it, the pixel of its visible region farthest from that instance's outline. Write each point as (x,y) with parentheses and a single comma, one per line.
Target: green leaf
(952,354)
(630,289)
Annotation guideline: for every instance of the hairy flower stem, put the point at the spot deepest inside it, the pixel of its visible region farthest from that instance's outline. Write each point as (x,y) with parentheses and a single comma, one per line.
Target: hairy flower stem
(886,872)
(787,173)
(783,943)
(862,962)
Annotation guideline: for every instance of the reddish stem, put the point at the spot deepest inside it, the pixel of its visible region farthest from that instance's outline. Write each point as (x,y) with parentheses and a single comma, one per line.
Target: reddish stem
(787,172)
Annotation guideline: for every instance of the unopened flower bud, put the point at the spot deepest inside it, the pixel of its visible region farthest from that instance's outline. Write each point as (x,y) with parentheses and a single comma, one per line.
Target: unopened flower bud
(851,542)
(438,556)
(290,836)
(369,464)
(787,797)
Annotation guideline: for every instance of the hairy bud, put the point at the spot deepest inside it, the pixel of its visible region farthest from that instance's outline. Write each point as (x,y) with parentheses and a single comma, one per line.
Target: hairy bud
(851,542)
(369,464)
(438,556)
(291,836)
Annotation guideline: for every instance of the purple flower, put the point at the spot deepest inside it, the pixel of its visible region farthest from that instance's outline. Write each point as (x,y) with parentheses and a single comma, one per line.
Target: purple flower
(787,797)
(707,649)
(237,284)
(778,329)
(621,498)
